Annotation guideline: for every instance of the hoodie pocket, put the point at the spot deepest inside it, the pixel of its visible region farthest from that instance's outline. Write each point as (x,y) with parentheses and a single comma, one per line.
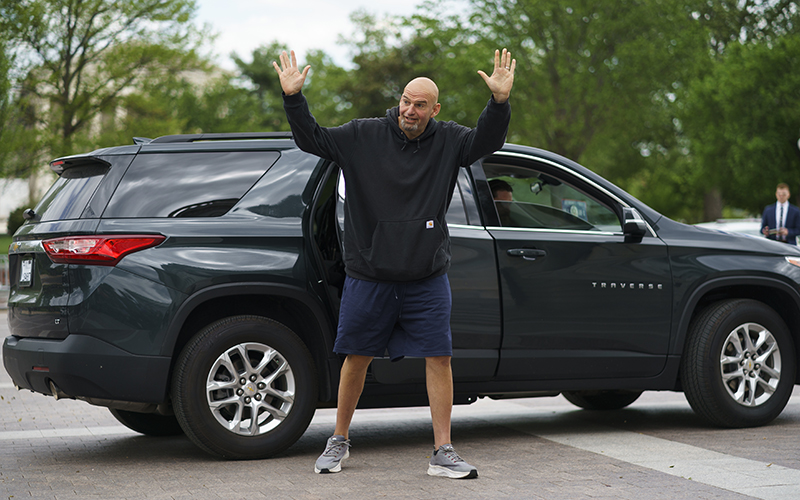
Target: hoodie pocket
(406,250)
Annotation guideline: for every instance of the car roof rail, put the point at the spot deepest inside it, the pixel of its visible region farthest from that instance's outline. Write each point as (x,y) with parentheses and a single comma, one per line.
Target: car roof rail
(142,140)
(221,137)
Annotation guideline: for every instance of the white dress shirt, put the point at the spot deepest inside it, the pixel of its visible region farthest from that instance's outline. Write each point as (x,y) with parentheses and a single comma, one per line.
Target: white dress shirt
(781,210)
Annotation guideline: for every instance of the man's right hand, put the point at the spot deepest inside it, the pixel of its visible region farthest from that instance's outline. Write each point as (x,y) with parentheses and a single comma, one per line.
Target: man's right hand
(292,79)
(502,78)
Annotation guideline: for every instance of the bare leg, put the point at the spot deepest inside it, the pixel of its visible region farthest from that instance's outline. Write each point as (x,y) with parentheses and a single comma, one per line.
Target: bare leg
(439,379)
(351,383)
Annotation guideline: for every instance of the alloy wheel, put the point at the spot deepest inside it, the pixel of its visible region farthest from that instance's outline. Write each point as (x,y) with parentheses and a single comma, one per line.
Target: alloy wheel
(750,363)
(250,389)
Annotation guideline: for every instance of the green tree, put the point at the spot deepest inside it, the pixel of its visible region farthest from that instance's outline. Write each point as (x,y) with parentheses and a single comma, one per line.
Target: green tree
(19,143)
(728,24)
(182,105)
(80,57)
(329,91)
(607,83)
(391,51)
(594,73)
(385,60)
(264,83)
(327,87)
(731,22)
(744,121)
(8,118)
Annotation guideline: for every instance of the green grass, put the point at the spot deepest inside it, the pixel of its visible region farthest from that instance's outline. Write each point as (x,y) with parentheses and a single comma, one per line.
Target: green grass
(5,240)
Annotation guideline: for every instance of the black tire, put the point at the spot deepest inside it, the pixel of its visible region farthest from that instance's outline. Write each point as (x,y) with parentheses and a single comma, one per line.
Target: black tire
(281,393)
(149,424)
(758,378)
(602,400)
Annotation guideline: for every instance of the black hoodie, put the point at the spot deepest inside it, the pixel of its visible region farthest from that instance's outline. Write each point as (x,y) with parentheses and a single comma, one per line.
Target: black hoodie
(398,190)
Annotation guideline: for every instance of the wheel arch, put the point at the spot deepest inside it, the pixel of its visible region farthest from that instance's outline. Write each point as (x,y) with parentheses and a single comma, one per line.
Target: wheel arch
(773,292)
(287,304)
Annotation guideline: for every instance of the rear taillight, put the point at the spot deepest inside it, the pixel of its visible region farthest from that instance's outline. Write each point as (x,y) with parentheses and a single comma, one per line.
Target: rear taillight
(97,250)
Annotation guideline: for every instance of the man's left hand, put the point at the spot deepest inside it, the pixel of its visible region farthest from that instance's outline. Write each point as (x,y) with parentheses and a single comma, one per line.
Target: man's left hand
(502,78)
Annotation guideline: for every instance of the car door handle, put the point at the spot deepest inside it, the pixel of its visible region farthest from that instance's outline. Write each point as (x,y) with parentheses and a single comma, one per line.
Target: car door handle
(526,253)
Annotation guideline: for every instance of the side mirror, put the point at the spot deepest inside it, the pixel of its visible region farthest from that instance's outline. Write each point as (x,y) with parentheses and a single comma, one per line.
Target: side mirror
(633,225)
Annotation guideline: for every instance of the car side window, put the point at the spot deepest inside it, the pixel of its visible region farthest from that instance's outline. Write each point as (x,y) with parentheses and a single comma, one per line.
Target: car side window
(528,198)
(455,212)
(210,183)
(340,195)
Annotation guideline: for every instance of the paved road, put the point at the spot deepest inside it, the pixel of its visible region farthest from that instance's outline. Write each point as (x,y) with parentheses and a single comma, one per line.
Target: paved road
(531,448)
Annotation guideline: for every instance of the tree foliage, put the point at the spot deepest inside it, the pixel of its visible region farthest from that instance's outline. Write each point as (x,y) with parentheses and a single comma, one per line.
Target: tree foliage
(730,22)
(79,58)
(266,87)
(588,64)
(17,144)
(325,87)
(8,118)
(744,120)
(329,91)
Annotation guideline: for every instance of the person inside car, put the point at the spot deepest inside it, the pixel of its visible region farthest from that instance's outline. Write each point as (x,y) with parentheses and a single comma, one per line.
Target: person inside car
(502,196)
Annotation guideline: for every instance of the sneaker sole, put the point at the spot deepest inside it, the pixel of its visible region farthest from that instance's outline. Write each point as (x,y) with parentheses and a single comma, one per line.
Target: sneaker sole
(332,470)
(439,471)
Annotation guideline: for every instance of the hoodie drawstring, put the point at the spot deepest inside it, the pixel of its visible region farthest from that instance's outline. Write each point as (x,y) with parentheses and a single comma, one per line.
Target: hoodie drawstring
(405,143)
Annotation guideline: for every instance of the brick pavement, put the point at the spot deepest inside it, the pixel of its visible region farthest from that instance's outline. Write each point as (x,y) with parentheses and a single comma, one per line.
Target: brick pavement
(389,454)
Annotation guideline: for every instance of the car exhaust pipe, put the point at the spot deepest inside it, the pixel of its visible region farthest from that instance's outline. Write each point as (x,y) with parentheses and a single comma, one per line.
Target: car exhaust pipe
(58,393)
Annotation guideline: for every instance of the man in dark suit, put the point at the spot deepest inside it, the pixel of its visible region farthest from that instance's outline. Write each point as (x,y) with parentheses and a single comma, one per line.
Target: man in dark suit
(781,220)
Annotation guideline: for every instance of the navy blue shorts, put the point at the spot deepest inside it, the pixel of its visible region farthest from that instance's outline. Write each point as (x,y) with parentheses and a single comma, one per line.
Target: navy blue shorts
(407,319)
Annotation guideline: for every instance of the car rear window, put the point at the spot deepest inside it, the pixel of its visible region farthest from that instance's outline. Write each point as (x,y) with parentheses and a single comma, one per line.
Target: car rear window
(71,192)
(187,184)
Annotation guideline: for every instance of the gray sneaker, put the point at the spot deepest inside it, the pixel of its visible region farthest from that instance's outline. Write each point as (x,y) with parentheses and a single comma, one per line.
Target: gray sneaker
(338,449)
(445,462)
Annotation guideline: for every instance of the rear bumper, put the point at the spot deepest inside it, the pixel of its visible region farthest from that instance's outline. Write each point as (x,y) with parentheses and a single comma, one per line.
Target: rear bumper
(85,367)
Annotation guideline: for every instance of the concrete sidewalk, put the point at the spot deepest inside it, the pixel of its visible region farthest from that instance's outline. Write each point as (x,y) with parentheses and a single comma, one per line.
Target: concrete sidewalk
(657,449)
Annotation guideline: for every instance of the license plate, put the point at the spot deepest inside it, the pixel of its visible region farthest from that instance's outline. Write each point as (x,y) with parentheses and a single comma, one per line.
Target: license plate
(26,272)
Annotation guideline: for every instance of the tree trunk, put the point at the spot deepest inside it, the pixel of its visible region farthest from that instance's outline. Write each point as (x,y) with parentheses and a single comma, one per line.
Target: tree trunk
(33,187)
(712,205)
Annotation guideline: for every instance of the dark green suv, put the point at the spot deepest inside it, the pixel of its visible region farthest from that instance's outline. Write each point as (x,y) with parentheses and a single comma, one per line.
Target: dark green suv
(191,284)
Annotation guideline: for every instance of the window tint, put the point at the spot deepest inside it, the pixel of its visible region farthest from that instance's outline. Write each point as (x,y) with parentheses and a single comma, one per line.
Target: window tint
(468,198)
(455,213)
(187,184)
(525,197)
(341,191)
(69,195)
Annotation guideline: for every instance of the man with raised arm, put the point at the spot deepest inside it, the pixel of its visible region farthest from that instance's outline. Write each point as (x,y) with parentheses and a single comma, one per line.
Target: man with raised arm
(399,171)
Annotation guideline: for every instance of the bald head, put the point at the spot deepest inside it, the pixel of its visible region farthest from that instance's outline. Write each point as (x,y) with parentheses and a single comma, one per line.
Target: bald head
(423,87)
(418,104)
